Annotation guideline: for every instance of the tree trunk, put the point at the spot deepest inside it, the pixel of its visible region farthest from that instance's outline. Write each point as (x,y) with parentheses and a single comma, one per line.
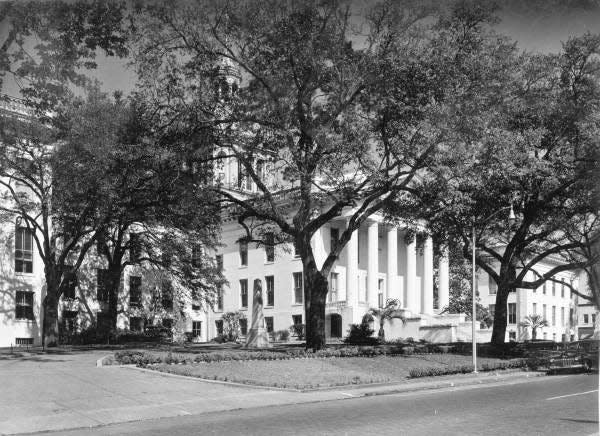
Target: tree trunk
(315,298)
(533,334)
(500,313)
(50,309)
(113,285)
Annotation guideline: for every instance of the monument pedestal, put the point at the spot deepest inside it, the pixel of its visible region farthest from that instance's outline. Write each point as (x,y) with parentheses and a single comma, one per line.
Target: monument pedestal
(258,338)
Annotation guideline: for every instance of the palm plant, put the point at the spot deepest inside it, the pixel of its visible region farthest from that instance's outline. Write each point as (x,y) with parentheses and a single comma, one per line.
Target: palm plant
(534,322)
(390,311)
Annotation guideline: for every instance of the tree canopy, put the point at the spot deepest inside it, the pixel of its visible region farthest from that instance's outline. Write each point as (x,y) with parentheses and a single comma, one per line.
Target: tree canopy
(89,164)
(343,120)
(536,153)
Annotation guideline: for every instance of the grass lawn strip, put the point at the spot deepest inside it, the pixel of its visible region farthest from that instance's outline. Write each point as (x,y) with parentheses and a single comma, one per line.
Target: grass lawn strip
(315,373)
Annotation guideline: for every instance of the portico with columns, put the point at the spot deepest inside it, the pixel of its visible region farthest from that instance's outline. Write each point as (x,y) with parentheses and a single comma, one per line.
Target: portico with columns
(380,262)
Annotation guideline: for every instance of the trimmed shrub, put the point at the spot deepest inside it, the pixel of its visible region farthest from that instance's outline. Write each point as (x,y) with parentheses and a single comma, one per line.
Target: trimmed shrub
(219,339)
(96,335)
(536,362)
(464,369)
(298,331)
(361,334)
(408,351)
(282,335)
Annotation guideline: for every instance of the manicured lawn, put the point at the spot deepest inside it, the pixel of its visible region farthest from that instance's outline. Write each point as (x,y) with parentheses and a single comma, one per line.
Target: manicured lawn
(314,373)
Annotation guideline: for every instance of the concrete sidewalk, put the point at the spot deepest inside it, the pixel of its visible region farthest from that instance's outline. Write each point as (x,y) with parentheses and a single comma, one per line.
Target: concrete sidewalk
(66,391)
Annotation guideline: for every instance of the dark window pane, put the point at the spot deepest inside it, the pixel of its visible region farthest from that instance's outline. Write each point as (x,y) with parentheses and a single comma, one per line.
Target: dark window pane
(335,236)
(70,282)
(270,247)
(243,253)
(196,329)
(196,256)
(167,323)
(298,290)
(24,305)
(270,281)
(23,250)
(136,324)
(244,292)
(102,285)
(269,324)
(135,248)
(220,298)
(512,313)
(135,290)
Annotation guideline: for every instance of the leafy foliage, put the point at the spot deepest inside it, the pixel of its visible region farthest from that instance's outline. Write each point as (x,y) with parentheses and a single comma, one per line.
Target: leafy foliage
(361,334)
(346,120)
(146,200)
(531,145)
(62,188)
(67,37)
(389,312)
(461,283)
(534,322)
(466,369)
(298,330)
(231,325)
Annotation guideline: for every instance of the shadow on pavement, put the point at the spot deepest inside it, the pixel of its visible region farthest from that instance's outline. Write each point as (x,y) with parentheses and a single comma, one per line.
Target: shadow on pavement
(582,421)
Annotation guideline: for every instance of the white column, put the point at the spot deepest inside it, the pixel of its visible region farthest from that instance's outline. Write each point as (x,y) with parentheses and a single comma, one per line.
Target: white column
(392,264)
(373,264)
(352,271)
(444,281)
(427,300)
(412,293)
(318,245)
(522,312)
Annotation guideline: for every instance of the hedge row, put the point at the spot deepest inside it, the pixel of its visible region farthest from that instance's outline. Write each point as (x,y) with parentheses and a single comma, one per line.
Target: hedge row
(465,369)
(146,358)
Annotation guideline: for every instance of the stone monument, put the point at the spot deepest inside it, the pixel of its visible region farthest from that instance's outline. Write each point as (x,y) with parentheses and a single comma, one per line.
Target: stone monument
(257,336)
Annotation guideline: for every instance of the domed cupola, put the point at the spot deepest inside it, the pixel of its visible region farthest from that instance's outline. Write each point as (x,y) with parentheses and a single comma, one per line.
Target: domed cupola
(228,78)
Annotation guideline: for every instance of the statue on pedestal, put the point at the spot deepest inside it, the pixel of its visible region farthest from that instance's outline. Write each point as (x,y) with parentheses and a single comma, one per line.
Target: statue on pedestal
(257,336)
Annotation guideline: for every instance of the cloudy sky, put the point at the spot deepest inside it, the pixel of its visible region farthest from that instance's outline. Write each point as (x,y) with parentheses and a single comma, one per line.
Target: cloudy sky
(536,25)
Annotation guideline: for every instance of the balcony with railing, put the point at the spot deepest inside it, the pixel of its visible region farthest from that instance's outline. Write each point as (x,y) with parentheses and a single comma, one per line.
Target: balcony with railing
(336,306)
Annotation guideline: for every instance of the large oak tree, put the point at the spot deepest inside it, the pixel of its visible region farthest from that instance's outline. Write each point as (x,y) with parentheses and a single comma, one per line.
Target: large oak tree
(46,50)
(345,107)
(537,154)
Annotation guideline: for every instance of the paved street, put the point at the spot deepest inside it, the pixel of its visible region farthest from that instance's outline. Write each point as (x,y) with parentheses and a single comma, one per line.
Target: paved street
(58,391)
(65,391)
(560,405)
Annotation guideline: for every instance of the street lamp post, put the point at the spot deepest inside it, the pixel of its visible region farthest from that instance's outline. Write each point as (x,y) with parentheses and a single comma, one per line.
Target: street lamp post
(511,219)
(474,308)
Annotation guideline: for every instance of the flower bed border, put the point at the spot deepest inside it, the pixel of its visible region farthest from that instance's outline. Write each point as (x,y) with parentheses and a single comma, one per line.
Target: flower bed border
(142,358)
(433,371)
